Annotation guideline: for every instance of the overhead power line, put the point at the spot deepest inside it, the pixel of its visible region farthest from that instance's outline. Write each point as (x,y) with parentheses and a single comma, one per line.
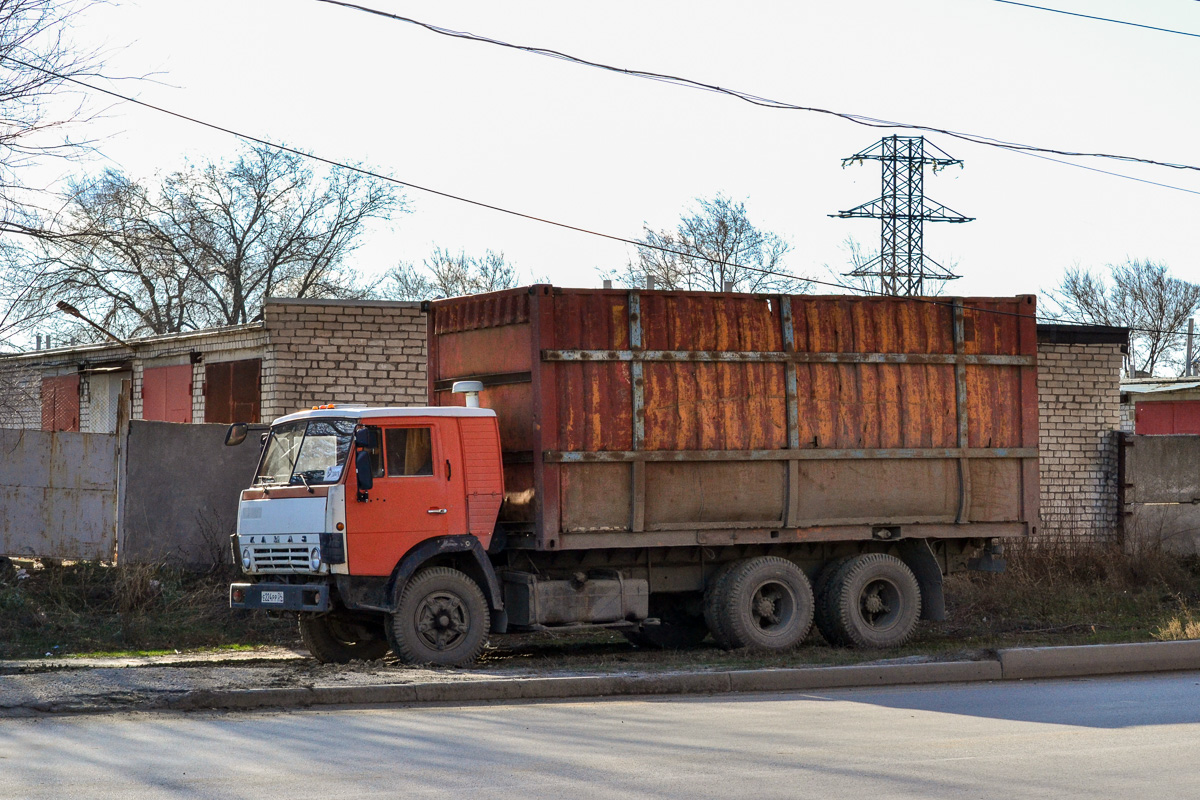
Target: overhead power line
(1100,19)
(480,204)
(755,99)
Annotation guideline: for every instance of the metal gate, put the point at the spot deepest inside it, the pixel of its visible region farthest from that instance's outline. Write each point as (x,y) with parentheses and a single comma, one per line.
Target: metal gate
(1160,491)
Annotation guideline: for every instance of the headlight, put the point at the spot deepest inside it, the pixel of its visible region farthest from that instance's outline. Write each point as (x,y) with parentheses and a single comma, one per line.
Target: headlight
(246,558)
(314,558)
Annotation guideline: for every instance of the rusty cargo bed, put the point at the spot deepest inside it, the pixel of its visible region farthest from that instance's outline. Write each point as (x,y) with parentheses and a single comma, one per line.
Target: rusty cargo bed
(633,418)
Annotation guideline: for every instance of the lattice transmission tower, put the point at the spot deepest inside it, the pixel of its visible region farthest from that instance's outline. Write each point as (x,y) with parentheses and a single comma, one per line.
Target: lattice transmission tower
(902,266)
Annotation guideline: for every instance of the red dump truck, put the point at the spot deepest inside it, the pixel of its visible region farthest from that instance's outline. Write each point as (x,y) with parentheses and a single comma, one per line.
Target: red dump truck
(673,465)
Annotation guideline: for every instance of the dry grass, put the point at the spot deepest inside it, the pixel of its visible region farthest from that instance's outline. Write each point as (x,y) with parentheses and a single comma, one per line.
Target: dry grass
(1183,625)
(47,607)
(1087,593)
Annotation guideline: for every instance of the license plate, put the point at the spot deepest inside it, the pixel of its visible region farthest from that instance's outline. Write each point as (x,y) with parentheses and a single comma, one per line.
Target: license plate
(272,597)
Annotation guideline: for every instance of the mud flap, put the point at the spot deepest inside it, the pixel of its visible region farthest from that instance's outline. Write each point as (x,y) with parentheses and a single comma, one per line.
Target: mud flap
(918,555)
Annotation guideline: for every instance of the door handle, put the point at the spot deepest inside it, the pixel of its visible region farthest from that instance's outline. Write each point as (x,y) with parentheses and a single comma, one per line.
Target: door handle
(436,511)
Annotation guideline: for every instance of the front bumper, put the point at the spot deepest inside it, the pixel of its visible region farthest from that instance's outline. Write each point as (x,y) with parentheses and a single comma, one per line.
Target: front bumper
(280,596)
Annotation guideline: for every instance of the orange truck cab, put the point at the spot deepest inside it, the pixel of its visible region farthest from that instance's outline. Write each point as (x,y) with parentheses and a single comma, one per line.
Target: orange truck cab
(360,517)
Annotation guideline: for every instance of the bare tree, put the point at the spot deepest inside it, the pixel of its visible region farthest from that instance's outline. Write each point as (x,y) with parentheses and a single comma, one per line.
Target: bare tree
(37,98)
(38,101)
(1138,295)
(713,245)
(446,274)
(205,246)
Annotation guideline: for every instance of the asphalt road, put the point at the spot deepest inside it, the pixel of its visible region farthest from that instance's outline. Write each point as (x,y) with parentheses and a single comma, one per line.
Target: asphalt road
(1089,738)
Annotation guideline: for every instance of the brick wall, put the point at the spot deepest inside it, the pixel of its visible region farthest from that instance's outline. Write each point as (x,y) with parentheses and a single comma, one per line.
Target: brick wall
(20,396)
(343,351)
(1079,419)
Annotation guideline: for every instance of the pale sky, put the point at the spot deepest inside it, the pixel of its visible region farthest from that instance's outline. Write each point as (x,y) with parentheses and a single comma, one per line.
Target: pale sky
(609,152)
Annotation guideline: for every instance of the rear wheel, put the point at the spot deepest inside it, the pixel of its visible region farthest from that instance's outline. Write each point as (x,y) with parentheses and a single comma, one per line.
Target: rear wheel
(873,601)
(442,618)
(768,604)
(336,639)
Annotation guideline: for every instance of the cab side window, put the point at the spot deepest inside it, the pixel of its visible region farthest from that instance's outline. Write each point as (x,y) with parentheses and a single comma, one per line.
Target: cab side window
(409,451)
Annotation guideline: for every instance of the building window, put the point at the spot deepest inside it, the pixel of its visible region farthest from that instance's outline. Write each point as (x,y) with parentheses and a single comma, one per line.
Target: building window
(232,391)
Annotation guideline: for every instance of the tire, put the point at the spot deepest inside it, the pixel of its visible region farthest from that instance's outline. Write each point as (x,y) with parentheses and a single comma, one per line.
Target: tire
(874,602)
(822,611)
(768,604)
(714,601)
(679,627)
(442,618)
(333,639)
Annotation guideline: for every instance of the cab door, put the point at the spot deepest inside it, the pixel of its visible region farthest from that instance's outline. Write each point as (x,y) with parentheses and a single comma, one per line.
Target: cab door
(412,498)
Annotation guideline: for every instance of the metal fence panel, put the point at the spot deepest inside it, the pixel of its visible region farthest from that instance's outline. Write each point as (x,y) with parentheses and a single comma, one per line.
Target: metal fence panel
(58,494)
(1162,469)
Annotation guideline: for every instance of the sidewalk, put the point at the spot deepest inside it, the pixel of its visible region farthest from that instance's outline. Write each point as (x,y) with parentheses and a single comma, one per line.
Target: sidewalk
(288,679)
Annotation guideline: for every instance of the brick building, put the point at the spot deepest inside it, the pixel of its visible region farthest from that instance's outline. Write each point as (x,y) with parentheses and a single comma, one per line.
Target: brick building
(1079,422)
(302,353)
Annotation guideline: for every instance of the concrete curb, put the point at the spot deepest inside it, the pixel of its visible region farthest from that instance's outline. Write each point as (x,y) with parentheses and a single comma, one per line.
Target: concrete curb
(1099,659)
(1024,663)
(565,688)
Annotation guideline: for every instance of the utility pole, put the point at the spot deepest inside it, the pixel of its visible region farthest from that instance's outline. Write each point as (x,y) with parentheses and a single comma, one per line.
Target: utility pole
(1187,367)
(902,266)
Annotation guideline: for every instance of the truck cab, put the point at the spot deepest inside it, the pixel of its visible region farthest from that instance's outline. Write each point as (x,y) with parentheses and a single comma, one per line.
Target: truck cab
(350,506)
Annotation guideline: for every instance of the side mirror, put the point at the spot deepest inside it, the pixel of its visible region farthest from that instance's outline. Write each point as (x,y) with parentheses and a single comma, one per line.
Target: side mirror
(362,472)
(364,438)
(236,434)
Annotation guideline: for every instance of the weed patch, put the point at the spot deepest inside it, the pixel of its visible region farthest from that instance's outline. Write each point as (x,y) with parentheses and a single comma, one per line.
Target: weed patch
(49,608)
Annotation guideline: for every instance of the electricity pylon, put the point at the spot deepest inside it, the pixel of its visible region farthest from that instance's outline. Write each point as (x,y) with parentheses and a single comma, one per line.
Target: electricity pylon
(902,266)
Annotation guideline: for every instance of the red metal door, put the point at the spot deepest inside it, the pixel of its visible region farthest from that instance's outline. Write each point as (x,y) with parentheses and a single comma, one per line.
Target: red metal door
(1167,417)
(167,393)
(231,391)
(60,403)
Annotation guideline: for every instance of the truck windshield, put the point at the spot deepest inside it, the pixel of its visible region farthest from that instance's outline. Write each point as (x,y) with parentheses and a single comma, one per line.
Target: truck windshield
(306,452)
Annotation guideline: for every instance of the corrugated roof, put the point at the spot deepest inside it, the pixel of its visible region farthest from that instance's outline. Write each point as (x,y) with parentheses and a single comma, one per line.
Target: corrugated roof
(1162,386)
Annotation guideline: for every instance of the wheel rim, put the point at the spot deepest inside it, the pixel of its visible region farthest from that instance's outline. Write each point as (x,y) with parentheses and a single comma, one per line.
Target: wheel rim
(442,620)
(772,607)
(879,604)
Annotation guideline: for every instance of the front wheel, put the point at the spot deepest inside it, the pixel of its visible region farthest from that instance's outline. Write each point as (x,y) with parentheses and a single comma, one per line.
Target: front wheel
(334,639)
(442,618)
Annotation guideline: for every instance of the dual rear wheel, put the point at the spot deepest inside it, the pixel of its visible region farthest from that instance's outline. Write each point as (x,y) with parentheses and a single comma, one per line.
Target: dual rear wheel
(763,603)
(870,601)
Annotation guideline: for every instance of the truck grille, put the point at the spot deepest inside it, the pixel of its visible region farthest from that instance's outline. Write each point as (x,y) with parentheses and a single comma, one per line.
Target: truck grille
(280,558)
